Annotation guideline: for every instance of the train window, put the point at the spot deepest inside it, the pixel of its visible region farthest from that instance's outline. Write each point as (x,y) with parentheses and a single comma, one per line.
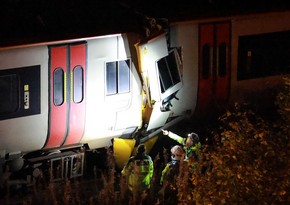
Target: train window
(206,61)
(124,76)
(58,87)
(78,84)
(19,92)
(222,59)
(9,94)
(111,78)
(263,55)
(168,72)
(118,77)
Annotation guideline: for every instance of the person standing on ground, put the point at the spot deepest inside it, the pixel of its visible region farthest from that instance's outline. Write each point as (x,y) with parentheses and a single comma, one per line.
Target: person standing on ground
(191,144)
(169,178)
(172,168)
(138,173)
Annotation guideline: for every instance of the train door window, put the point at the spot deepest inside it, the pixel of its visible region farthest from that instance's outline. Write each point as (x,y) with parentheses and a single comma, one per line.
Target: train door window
(78,84)
(222,59)
(118,77)
(263,55)
(206,61)
(58,87)
(9,94)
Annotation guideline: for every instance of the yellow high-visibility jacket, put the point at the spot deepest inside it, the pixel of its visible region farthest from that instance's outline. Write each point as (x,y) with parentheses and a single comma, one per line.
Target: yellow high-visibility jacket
(138,172)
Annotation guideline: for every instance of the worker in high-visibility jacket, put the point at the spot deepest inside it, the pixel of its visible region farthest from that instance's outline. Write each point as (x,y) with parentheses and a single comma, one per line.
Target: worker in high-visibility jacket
(170,176)
(191,145)
(171,169)
(138,172)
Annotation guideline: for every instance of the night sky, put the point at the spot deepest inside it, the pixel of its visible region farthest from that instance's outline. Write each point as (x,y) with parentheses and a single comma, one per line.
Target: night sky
(24,21)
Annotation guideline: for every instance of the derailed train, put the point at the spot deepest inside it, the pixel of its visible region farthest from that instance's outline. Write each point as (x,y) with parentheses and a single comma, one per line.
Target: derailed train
(62,98)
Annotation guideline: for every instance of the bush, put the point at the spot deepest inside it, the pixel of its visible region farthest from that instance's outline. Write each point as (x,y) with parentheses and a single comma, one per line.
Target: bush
(249,160)
(248,163)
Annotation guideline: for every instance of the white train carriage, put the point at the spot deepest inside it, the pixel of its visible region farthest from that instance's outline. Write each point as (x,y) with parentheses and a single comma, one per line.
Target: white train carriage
(61,96)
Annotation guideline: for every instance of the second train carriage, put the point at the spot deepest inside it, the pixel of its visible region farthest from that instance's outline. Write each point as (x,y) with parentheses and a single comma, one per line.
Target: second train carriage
(234,58)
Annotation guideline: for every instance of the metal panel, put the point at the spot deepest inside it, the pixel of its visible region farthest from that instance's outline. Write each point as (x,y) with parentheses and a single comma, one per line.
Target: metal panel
(58,113)
(214,65)
(206,43)
(222,87)
(77,109)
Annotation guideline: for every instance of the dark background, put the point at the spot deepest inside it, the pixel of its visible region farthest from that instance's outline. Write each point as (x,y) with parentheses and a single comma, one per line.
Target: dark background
(28,21)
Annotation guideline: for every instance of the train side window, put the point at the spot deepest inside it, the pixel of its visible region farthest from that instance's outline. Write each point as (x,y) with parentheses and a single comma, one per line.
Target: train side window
(124,76)
(263,55)
(78,84)
(206,61)
(111,78)
(222,59)
(58,87)
(118,77)
(9,95)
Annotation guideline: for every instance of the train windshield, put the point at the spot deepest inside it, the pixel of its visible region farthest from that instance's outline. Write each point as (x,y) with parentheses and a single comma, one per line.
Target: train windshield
(169,74)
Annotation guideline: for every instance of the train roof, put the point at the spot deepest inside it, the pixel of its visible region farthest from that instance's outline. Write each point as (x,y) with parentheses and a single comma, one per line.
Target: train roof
(33,21)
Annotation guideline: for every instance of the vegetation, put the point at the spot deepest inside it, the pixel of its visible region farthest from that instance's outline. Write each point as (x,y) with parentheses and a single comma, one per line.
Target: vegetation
(247,163)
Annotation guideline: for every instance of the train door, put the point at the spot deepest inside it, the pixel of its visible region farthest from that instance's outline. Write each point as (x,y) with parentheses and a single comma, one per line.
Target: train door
(67,66)
(214,65)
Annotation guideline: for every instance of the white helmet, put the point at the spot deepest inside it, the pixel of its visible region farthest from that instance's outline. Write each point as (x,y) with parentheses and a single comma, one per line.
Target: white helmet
(193,137)
(177,153)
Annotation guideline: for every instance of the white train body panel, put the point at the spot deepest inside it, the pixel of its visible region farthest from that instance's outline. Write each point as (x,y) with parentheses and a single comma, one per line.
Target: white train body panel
(255,25)
(185,37)
(26,133)
(106,116)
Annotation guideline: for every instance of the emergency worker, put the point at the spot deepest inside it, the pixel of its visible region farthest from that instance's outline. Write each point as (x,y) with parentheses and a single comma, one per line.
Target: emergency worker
(138,173)
(172,168)
(191,145)
(169,176)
